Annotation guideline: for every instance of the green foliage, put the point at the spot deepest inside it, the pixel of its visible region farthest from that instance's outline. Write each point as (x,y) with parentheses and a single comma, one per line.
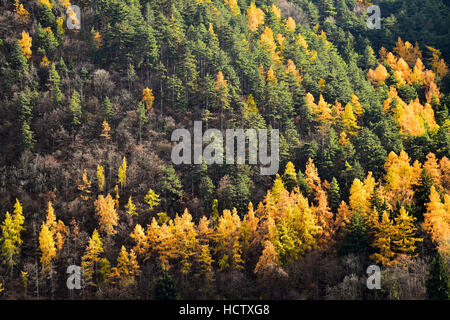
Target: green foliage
(356,238)
(75,109)
(437,284)
(334,197)
(165,288)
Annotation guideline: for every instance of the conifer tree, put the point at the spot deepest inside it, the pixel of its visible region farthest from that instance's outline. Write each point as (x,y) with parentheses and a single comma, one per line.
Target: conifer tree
(152,199)
(11,241)
(47,247)
(100,178)
(290,177)
(437,284)
(122,175)
(107,214)
(91,259)
(130,207)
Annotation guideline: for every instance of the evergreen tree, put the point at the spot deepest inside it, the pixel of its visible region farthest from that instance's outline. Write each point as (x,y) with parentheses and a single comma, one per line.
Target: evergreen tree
(437,284)
(334,196)
(165,288)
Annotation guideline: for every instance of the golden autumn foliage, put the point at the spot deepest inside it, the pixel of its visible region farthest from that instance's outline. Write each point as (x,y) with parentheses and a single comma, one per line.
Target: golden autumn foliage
(220,81)
(378,75)
(100,178)
(291,68)
(234,6)
(25,43)
(321,111)
(290,24)
(268,262)
(58,229)
(46,3)
(21,12)
(122,174)
(433,168)
(152,199)
(394,239)
(413,118)
(438,65)
(11,228)
(360,195)
(255,17)
(148,98)
(437,221)
(126,270)
(105,130)
(45,62)
(407,52)
(227,237)
(400,177)
(349,120)
(91,258)
(130,207)
(47,247)
(268,43)
(85,186)
(107,215)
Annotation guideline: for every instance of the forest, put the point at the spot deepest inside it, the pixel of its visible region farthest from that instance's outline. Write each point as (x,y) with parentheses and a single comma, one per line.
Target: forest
(89,100)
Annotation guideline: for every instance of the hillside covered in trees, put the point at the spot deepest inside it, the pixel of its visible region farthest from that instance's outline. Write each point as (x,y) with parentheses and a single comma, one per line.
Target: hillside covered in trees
(87,180)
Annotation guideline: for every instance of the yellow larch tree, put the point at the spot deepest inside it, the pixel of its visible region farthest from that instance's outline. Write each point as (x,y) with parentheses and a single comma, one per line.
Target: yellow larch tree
(407,52)
(291,68)
(437,64)
(185,241)
(85,187)
(234,6)
(58,229)
(255,17)
(25,43)
(349,121)
(343,216)
(276,11)
(105,130)
(268,262)
(21,12)
(404,239)
(130,207)
(312,176)
(152,199)
(383,237)
(11,241)
(126,270)
(360,195)
(140,238)
(227,237)
(378,75)
(400,177)
(437,221)
(122,174)
(357,106)
(107,214)
(47,248)
(91,258)
(433,168)
(148,98)
(249,231)
(290,24)
(444,165)
(100,178)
